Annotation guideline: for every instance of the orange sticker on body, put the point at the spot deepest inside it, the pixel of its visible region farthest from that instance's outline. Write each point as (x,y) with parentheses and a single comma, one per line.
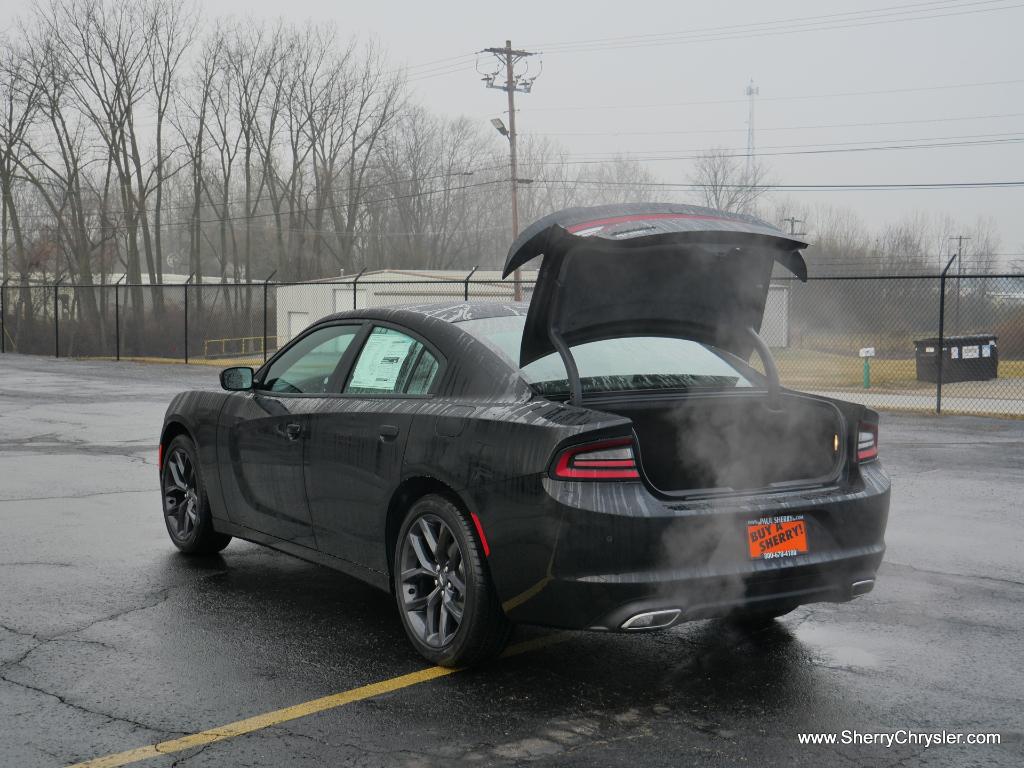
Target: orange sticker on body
(773,537)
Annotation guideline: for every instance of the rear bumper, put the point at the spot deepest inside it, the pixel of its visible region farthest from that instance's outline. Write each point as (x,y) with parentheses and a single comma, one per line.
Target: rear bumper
(595,555)
(702,598)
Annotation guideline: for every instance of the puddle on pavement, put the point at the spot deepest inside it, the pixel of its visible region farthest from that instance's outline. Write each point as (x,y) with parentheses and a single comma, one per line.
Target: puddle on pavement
(831,647)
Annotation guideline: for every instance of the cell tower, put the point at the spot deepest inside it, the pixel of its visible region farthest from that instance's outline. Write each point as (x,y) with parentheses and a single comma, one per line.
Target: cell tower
(751,92)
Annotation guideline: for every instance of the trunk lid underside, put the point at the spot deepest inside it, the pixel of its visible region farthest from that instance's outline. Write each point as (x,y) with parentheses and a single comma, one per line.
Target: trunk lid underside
(649,270)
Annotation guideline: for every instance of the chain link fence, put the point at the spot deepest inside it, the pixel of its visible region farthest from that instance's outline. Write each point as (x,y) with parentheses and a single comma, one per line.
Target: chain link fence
(874,340)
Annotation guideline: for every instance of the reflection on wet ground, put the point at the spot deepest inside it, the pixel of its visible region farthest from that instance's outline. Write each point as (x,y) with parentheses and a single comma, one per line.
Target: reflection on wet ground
(111,640)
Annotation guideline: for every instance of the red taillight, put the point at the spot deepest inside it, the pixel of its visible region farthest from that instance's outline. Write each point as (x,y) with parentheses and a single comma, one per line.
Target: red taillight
(604,460)
(867,441)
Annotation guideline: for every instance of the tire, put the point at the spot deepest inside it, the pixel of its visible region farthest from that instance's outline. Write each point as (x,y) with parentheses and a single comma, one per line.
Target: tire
(186,506)
(436,553)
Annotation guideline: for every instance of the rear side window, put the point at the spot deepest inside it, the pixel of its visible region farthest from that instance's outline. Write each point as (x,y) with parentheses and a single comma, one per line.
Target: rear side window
(390,363)
(610,365)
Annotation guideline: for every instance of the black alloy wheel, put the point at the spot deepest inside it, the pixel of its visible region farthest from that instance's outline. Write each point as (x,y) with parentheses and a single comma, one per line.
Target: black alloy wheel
(433,577)
(181,500)
(185,504)
(443,588)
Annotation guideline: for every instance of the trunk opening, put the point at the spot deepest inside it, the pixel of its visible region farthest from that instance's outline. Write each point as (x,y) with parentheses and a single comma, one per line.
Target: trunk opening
(734,442)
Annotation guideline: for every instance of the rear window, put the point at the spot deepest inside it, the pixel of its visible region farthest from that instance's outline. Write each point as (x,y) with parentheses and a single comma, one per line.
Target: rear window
(615,365)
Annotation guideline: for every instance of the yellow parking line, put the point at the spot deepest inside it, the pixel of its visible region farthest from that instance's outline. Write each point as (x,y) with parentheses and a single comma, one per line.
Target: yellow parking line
(258,722)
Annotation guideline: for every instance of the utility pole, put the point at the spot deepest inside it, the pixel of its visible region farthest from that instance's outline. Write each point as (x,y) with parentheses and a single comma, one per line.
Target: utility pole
(959,273)
(793,221)
(509,57)
(751,93)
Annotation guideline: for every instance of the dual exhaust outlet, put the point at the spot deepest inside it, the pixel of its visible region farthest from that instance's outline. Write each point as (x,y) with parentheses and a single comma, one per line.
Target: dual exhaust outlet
(668,616)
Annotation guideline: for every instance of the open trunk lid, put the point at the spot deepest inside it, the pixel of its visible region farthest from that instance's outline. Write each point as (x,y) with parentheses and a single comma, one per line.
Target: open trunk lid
(649,269)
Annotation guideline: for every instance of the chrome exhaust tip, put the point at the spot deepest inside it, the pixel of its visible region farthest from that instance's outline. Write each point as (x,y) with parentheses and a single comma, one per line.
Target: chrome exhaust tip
(651,620)
(859,588)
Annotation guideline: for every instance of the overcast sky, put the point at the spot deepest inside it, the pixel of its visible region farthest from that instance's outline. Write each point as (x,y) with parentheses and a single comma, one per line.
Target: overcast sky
(617,96)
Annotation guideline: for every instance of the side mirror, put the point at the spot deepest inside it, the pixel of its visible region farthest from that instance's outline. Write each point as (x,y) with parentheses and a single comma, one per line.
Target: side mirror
(238,379)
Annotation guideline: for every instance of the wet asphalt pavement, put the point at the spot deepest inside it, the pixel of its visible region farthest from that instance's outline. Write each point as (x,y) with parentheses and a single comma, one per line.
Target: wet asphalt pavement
(110,640)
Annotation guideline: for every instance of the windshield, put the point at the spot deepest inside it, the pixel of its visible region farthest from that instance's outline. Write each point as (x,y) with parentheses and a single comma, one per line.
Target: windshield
(615,365)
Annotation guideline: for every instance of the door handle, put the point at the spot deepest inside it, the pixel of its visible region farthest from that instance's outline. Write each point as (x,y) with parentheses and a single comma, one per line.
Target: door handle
(292,431)
(388,432)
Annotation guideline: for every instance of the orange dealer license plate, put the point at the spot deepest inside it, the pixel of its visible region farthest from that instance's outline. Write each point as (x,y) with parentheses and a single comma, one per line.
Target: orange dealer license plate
(772,537)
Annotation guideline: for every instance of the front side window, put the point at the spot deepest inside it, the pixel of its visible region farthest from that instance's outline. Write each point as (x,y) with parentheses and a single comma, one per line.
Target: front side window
(615,365)
(392,363)
(307,366)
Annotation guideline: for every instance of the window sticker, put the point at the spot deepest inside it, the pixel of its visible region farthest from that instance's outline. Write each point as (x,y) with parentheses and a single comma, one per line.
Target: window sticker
(971,353)
(380,362)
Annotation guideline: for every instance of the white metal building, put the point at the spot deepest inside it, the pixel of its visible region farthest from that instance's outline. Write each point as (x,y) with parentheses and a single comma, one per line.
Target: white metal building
(299,305)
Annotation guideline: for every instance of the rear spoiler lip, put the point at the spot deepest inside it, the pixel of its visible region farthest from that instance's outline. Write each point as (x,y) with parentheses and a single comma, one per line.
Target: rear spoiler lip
(556,238)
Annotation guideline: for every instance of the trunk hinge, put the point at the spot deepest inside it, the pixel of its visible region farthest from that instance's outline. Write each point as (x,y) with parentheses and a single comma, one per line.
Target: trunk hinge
(771,372)
(572,373)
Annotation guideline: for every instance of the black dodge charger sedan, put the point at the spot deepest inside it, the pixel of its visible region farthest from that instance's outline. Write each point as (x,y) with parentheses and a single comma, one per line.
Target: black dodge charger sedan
(617,456)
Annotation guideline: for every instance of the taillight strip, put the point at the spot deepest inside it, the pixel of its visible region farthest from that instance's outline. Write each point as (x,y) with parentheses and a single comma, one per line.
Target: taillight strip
(867,449)
(567,467)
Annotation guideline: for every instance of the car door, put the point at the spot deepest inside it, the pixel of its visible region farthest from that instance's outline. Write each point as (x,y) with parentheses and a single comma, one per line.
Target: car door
(356,446)
(264,434)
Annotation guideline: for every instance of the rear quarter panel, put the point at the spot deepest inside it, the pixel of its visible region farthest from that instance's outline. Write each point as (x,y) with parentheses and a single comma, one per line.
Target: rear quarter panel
(495,456)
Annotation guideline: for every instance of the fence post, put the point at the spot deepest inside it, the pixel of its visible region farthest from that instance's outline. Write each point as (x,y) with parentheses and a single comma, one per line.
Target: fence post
(3,316)
(117,318)
(942,335)
(265,314)
(354,284)
(465,292)
(187,281)
(56,320)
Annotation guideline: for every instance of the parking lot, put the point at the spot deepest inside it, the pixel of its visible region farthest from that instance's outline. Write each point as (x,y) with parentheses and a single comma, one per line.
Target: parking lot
(112,642)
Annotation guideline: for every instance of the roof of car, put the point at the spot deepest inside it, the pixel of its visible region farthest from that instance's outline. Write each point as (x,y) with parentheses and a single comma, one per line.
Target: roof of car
(458,311)
(446,311)
(479,370)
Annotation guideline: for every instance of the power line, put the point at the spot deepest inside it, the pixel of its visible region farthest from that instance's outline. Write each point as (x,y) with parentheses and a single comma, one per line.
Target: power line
(433,64)
(951,8)
(305,211)
(762,29)
(818,126)
(461,68)
(979,141)
(794,187)
(647,37)
(794,97)
(335,189)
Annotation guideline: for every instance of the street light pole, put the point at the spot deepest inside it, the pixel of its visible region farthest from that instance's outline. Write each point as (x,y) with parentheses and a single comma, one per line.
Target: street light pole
(513,82)
(510,87)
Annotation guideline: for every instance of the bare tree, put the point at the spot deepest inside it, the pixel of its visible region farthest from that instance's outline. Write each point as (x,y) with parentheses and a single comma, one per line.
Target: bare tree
(377,97)
(19,95)
(727,182)
(191,120)
(173,30)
